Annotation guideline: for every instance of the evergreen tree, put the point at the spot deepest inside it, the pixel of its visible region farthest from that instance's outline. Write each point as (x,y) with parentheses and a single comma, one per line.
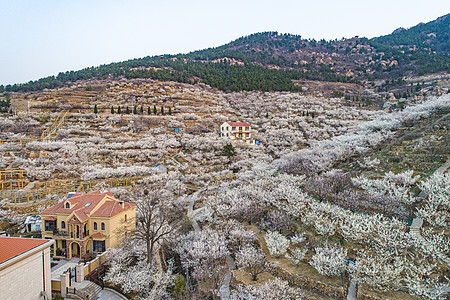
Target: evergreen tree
(142,109)
(148,110)
(95,109)
(162,110)
(135,110)
(170,111)
(229,150)
(112,109)
(128,111)
(267,114)
(154,110)
(119,110)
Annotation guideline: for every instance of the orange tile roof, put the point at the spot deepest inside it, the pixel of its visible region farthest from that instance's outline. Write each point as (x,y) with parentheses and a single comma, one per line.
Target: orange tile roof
(239,124)
(109,208)
(98,235)
(49,219)
(12,246)
(81,215)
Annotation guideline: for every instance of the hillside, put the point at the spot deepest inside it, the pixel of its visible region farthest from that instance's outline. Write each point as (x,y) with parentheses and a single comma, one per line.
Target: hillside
(270,61)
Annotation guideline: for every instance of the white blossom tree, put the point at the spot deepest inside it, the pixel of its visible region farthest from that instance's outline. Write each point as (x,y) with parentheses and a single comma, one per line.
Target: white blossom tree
(329,260)
(276,243)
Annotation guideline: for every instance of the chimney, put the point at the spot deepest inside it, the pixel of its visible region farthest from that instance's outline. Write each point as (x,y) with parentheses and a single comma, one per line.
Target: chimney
(121,204)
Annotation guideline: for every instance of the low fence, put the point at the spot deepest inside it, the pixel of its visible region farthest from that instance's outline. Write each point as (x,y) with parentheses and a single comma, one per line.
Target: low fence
(46,135)
(49,193)
(223,178)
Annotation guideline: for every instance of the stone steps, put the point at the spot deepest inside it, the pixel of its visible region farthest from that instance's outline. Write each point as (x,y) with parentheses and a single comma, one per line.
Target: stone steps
(88,290)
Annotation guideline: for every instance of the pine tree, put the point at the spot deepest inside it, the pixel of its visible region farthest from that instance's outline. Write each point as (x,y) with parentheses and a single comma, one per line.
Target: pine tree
(119,110)
(142,109)
(135,110)
(128,110)
(154,110)
(112,109)
(148,110)
(162,110)
(95,109)
(170,111)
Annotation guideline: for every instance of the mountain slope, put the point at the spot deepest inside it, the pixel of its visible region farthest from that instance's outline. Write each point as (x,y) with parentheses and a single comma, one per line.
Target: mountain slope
(269,61)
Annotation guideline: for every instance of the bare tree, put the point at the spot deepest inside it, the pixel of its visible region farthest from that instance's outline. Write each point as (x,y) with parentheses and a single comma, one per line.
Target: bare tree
(152,219)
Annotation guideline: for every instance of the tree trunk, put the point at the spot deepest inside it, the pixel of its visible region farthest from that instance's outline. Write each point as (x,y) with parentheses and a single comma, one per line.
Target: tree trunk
(150,256)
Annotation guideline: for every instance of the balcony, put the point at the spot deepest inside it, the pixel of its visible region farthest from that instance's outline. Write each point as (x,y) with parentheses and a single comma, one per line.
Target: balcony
(79,235)
(61,233)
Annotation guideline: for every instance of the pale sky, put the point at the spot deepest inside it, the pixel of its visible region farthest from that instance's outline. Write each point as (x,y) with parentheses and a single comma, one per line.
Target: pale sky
(40,38)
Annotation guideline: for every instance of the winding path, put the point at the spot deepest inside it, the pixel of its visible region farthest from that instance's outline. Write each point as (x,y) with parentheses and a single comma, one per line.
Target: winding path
(224,290)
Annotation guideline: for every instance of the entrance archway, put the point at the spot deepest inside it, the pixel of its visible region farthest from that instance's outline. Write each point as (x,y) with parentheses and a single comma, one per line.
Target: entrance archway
(75,249)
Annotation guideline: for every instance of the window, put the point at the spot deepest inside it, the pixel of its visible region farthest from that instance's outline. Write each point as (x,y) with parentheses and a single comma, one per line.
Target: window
(246,129)
(95,225)
(103,226)
(125,218)
(67,205)
(227,134)
(99,246)
(233,128)
(63,225)
(247,135)
(222,128)
(223,134)
(63,244)
(50,225)
(240,128)
(228,128)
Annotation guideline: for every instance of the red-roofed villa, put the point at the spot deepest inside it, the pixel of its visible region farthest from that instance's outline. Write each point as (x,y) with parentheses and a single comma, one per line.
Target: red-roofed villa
(237,131)
(86,223)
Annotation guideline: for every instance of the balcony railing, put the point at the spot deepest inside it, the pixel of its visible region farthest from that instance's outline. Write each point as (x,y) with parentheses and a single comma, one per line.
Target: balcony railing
(79,235)
(63,233)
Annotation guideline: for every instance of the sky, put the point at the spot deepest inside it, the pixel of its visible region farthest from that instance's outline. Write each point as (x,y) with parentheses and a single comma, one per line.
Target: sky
(45,37)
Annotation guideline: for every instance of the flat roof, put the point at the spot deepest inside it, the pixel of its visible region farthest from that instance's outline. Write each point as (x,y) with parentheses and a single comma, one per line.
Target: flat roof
(11,247)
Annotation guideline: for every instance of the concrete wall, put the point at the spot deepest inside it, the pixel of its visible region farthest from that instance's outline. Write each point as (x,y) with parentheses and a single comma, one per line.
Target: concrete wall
(25,280)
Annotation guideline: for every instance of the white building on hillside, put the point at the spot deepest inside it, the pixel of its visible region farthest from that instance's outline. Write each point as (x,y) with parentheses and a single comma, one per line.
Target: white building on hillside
(237,131)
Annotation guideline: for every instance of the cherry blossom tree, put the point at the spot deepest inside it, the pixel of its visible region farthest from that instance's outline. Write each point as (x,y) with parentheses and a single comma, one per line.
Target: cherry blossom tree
(276,243)
(253,261)
(275,289)
(203,254)
(329,260)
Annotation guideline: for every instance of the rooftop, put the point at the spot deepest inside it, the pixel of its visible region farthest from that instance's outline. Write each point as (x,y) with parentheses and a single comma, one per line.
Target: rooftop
(90,204)
(14,246)
(239,124)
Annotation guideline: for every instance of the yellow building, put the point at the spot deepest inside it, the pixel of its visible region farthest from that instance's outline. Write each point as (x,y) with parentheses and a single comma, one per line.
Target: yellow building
(86,223)
(237,131)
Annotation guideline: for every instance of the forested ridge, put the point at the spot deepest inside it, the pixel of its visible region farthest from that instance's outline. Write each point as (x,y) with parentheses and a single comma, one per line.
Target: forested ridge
(270,61)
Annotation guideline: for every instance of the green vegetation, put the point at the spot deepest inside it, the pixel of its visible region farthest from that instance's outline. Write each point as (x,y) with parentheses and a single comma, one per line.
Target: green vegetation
(269,61)
(229,150)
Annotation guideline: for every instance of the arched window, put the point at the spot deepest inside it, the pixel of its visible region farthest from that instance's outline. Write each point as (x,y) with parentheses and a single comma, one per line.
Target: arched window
(63,225)
(103,226)
(95,225)
(67,205)
(125,218)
